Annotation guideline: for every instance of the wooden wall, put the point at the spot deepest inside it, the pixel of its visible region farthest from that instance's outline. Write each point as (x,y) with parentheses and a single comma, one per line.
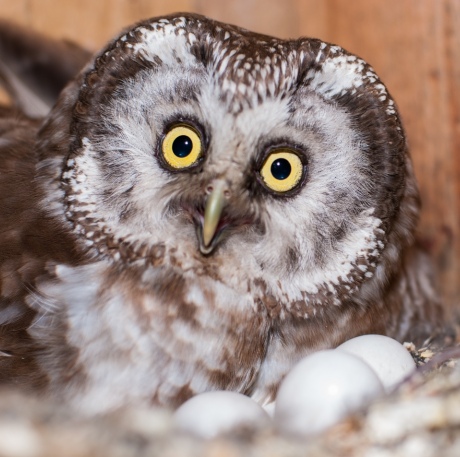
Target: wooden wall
(414,45)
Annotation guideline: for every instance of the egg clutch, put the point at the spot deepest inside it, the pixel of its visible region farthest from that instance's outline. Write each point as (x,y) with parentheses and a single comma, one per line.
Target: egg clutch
(321,390)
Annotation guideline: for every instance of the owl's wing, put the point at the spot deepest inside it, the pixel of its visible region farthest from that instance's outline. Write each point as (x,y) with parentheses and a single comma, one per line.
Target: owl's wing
(30,244)
(34,69)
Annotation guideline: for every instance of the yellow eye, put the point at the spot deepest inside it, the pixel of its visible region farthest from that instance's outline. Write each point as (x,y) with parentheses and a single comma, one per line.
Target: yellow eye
(282,171)
(181,147)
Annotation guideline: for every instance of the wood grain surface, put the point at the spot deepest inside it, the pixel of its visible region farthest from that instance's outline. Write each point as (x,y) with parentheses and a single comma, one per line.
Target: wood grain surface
(414,45)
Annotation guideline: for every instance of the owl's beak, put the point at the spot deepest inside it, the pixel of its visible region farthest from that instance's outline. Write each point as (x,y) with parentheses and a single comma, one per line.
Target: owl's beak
(214,205)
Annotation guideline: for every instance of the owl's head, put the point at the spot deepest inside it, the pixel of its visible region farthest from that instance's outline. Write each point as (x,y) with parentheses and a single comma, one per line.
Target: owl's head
(250,157)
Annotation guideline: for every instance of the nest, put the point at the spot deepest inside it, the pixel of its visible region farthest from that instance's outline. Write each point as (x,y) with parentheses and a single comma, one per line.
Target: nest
(420,418)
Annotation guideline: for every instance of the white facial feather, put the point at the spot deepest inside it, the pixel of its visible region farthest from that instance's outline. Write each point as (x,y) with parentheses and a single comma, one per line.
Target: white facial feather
(233,145)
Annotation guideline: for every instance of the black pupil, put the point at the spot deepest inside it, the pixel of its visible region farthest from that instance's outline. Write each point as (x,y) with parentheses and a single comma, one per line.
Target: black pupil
(182,146)
(281,169)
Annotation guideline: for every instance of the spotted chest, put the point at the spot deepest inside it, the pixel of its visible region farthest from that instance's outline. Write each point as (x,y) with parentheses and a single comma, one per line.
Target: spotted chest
(167,338)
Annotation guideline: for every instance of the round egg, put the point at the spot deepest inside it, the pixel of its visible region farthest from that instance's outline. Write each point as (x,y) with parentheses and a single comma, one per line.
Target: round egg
(389,359)
(213,413)
(322,389)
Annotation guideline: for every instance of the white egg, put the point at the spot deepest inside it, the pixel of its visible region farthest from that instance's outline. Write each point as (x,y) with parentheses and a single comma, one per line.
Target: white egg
(388,358)
(322,389)
(213,413)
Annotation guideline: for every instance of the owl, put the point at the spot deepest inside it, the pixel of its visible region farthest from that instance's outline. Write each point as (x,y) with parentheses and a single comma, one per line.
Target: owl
(202,207)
